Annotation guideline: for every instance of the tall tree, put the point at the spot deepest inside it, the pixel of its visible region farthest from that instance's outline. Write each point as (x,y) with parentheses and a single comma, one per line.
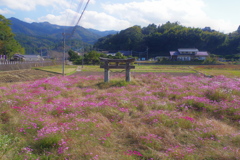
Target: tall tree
(8,45)
(171,36)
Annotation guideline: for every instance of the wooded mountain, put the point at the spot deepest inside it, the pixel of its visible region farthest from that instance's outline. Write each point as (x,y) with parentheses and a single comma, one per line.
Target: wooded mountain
(159,40)
(36,36)
(8,45)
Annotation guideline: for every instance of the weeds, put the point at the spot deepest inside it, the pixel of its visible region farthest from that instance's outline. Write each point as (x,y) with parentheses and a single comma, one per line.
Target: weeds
(153,117)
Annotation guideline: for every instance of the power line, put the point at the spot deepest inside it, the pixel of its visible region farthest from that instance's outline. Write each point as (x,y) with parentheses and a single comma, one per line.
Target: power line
(78,10)
(75,27)
(64,34)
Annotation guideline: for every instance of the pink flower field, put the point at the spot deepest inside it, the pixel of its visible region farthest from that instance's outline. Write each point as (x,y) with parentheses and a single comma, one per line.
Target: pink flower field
(152,117)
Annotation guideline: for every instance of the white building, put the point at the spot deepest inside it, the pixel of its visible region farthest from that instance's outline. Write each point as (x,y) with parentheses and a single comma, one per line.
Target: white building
(188,54)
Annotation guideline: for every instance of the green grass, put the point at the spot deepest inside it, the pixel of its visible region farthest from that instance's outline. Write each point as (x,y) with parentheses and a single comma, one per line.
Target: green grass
(226,70)
(68,70)
(7,143)
(145,68)
(228,73)
(92,68)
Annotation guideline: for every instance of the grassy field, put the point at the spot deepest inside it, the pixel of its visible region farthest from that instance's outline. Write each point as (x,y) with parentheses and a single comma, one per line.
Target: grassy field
(153,117)
(227,70)
(23,75)
(138,68)
(163,68)
(69,69)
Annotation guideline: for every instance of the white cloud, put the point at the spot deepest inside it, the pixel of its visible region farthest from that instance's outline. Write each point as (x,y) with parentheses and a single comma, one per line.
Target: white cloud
(65,18)
(157,11)
(102,21)
(29,5)
(6,11)
(189,13)
(53,19)
(123,14)
(92,2)
(90,19)
(29,20)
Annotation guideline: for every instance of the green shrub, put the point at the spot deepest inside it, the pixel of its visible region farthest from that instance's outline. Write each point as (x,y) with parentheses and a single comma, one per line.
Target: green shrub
(46,144)
(236,140)
(7,142)
(112,83)
(216,95)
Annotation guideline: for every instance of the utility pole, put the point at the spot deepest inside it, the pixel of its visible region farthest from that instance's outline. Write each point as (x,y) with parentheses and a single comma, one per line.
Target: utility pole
(147,53)
(63,63)
(41,57)
(82,57)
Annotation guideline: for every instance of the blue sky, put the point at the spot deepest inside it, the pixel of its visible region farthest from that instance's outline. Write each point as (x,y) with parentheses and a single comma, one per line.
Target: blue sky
(221,15)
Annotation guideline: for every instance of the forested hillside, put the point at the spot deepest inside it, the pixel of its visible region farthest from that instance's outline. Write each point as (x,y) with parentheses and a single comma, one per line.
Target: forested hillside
(37,38)
(8,45)
(159,40)
(42,37)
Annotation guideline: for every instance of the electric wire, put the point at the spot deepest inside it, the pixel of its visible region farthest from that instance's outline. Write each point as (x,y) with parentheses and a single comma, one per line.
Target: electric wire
(68,14)
(77,11)
(75,27)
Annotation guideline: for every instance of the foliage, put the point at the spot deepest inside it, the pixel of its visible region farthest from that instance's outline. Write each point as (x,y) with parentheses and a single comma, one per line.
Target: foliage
(8,45)
(42,37)
(75,58)
(129,39)
(73,55)
(113,83)
(119,56)
(170,36)
(92,57)
(7,142)
(210,60)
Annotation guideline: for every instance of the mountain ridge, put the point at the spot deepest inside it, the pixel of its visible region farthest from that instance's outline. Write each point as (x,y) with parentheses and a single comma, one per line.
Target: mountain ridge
(34,35)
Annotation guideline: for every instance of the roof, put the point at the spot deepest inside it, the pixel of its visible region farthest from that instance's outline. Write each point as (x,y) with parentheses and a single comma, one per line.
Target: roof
(188,50)
(18,55)
(31,56)
(202,53)
(26,56)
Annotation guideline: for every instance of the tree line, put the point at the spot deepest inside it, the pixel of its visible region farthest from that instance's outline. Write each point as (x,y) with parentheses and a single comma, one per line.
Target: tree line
(159,40)
(92,57)
(152,40)
(8,45)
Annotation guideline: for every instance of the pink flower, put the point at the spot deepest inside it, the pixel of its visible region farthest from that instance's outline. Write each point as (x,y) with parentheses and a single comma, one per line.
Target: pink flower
(130,153)
(188,118)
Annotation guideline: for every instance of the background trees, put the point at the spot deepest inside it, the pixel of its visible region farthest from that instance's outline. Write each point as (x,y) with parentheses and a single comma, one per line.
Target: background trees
(8,45)
(91,57)
(170,36)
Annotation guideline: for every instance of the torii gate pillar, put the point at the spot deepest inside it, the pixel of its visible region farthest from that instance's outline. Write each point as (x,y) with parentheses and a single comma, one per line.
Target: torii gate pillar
(127,67)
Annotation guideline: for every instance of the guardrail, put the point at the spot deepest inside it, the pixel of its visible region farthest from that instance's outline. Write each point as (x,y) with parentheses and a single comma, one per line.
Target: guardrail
(17,65)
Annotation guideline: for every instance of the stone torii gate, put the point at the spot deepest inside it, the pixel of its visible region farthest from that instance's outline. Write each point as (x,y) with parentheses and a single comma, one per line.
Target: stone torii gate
(108,66)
